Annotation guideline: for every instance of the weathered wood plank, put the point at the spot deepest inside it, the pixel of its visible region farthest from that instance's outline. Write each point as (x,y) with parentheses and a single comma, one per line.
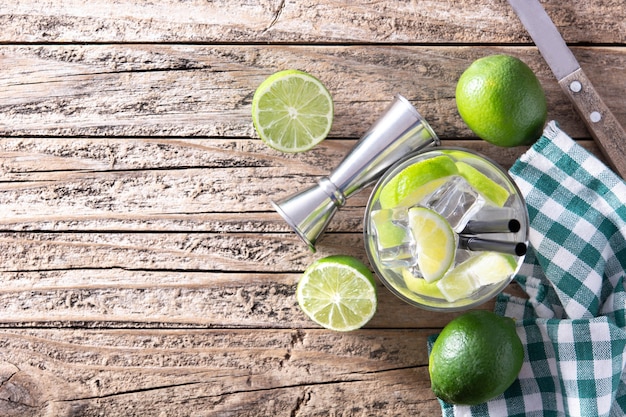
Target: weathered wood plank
(164,185)
(187,90)
(173,251)
(32,159)
(127,298)
(216,280)
(214,373)
(231,252)
(437,21)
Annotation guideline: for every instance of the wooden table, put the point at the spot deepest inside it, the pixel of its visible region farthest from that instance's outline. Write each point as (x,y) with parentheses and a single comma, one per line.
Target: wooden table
(143,270)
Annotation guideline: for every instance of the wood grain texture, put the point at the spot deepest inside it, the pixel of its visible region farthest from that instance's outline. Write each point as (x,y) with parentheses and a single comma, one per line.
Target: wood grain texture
(143,270)
(389,21)
(186,90)
(125,298)
(171,185)
(213,373)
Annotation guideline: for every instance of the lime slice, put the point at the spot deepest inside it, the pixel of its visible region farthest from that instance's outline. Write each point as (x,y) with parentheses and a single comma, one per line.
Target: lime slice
(457,286)
(388,233)
(487,187)
(338,292)
(292,111)
(420,285)
(434,241)
(484,269)
(416,181)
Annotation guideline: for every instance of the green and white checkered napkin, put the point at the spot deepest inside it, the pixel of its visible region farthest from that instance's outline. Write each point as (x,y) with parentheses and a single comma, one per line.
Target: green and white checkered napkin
(573,326)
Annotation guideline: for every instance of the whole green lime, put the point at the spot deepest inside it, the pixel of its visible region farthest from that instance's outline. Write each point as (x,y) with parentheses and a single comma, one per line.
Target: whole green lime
(501,100)
(475,358)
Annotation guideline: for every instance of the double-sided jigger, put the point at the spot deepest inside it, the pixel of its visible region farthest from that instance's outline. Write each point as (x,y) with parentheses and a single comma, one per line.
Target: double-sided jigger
(400,130)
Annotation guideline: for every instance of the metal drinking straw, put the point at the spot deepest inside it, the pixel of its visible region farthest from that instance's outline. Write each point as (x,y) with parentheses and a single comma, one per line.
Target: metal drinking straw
(492,226)
(399,131)
(475,243)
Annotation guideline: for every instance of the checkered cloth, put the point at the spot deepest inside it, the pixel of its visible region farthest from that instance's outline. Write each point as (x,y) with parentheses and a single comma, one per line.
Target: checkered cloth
(573,326)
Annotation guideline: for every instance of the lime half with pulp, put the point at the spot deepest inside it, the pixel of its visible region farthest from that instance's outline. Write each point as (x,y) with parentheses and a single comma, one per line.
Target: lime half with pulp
(338,292)
(292,111)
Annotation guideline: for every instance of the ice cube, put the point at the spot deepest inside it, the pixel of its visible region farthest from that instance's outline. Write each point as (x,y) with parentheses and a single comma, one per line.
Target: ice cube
(457,201)
(394,240)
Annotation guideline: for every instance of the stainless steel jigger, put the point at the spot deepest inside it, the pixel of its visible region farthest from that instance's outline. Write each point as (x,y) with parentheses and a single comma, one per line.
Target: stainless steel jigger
(399,131)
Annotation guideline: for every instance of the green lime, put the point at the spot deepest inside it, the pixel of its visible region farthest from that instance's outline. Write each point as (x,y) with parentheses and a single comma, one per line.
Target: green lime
(292,111)
(487,187)
(388,233)
(488,267)
(420,285)
(416,181)
(475,358)
(501,100)
(338,292)
(434,241)
(456,286)
(483,269)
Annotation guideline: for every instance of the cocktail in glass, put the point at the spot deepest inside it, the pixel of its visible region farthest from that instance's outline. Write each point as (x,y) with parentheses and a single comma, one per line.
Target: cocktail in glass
(446,229)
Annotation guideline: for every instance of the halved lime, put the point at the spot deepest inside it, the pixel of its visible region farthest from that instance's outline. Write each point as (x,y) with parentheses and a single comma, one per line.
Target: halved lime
(416,181)
(292,111)
(338,292)
(483,269)
(487,187)
(434,240)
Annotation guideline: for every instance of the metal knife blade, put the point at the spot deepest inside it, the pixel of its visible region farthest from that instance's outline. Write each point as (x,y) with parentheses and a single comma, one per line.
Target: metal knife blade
(546,36)
(604,127)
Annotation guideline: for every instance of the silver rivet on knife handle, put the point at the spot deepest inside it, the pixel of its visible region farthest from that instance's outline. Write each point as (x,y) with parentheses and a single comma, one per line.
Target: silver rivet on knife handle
(607,131)
(576,86)
(595,116)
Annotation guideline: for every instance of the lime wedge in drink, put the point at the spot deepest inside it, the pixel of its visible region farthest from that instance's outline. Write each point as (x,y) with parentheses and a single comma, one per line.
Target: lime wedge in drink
(456,286)
(416,181)
(388,234)
(488,267)
(434,240)
(420,285)
(487,187)
(484,269)
(292,111)
(338,292)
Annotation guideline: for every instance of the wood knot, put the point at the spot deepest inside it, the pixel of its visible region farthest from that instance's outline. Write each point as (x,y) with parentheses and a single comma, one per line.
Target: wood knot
(18,391)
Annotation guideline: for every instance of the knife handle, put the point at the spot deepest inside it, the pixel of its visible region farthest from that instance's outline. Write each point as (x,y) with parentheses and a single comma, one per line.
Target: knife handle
(602,124)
